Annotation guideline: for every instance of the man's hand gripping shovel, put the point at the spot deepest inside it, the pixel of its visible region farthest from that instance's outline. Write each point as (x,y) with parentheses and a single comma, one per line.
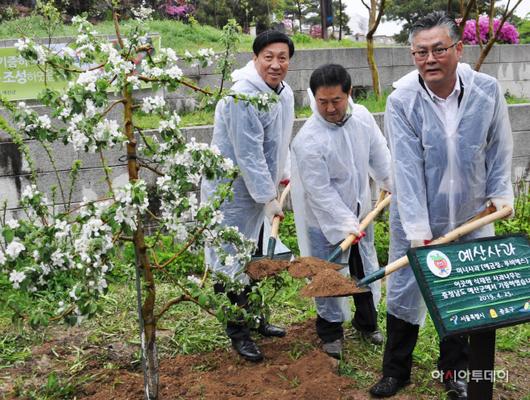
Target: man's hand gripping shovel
(263,266)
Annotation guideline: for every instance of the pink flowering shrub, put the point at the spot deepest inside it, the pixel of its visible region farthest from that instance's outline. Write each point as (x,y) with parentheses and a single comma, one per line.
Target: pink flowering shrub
(315,31)
(508,33)
(178,9)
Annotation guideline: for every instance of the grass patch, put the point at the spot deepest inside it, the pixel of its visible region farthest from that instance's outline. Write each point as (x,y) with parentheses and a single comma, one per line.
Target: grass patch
(511,99)
(174,34)
(206,116)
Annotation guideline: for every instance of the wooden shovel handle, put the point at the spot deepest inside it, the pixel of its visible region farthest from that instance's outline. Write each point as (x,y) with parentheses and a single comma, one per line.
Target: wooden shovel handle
(276,220)
(486,217)
(382,202)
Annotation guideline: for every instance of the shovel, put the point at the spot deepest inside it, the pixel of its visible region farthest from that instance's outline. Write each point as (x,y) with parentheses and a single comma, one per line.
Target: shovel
(262,266)
(484,218)
(313,262)
(328,274)
(276,225)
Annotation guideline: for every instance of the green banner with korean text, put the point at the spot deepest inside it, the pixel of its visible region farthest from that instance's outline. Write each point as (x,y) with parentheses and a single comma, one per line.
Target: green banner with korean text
(23,80)
(477,285)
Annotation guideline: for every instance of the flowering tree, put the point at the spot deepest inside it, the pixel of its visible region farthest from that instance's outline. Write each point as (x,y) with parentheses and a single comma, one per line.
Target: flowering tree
(475,34)
(487,30)
(178,9)
(68,250)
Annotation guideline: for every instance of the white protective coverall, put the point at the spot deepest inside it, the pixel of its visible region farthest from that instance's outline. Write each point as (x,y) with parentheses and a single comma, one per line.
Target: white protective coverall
(330,190)
(258,143)
(442,178)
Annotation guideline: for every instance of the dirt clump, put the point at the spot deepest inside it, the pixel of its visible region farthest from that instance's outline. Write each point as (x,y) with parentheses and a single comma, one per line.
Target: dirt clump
(265,267)
(330,283)
(306,267)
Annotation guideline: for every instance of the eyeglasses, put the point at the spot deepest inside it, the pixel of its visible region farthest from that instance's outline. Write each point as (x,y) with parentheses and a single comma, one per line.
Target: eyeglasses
(437,52)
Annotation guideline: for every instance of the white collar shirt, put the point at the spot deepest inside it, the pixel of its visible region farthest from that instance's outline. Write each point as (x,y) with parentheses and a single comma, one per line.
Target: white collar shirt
(447,109)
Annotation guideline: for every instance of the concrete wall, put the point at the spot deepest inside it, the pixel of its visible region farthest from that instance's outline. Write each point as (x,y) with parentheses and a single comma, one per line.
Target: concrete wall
(14,170)
(510,64)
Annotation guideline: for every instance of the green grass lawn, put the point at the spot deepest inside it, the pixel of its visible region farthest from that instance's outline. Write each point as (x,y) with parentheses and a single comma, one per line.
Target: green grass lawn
(175,34)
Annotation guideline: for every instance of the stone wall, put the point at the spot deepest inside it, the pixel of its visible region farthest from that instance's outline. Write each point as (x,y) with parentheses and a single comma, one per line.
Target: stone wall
(14,170)
(510,64)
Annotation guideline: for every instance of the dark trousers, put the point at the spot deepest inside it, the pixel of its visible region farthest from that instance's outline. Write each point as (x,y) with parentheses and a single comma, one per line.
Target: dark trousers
(236,330)
(401,340)
(365,317)
(239,329)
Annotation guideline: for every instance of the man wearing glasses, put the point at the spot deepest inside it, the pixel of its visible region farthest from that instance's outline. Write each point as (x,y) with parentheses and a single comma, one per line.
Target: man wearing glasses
(451,145)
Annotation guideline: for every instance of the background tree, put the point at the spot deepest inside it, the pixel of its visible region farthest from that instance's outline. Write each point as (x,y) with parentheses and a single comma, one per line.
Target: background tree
(213,12)
(375,11)
(340,18)
(523,26)
(506,13)
(411,10)
(297,9)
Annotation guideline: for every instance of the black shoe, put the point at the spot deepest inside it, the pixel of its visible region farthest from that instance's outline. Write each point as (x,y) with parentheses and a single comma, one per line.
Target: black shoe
(269,330)
(375,337)
(333,349)
(388,386)
(247,349)
(456,389)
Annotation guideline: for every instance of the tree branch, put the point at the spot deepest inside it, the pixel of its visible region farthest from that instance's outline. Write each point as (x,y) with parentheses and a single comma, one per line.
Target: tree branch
(366,5)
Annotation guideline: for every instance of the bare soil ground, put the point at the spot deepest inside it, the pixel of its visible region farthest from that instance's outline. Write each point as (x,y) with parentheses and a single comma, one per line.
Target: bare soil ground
(294,369)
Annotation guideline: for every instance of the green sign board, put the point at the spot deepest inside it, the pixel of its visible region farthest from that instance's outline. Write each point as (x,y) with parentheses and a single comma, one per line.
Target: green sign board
(475,286)
(23,80)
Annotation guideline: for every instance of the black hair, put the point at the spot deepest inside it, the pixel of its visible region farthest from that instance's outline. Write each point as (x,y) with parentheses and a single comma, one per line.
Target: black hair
(271,36)
(330,75)
(432,20)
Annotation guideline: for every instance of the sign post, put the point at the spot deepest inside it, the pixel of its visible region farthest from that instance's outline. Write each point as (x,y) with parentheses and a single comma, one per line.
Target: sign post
(474,288)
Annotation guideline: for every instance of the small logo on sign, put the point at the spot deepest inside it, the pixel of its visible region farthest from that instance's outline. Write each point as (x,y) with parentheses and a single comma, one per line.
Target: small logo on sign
(439,264)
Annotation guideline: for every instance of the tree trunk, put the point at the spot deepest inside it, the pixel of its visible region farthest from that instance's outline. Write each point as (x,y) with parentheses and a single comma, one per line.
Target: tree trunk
(375,14)
(147,315)
(300,15)
(340,19)
(373,66)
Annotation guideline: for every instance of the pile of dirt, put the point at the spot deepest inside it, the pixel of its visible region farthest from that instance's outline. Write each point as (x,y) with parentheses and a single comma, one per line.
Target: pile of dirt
(330,283)
(265,267)
(306,267)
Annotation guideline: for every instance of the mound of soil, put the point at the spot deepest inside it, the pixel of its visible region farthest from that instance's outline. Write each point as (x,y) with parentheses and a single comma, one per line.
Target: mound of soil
(306,267)
(330,283)
(265,267)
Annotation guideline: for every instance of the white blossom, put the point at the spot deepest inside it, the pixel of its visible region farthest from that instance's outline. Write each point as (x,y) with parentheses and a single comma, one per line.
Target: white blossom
(22,44)
(3,258)
(142,13)
(134,81)
(217,217)
(41,54)
(88,80)
(90,108)
(14,248)
(230,260)
(16,277)
(12,223)
(174,72)
(194,279)
(155,103)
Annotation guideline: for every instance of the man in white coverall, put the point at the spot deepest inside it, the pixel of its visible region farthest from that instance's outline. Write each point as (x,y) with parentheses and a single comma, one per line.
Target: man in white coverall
(333,157)
(258,143)
(451,146)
